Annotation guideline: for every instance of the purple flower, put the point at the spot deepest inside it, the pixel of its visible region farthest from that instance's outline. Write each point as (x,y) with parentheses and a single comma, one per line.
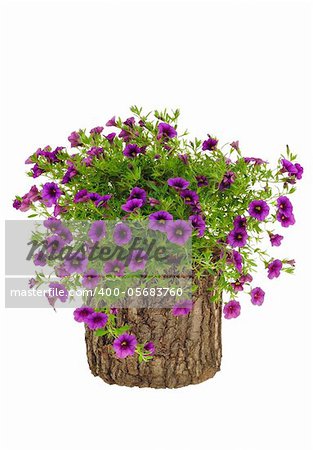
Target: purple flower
(247,278)
(178,183)
(17,204)
(111,122)
(53,224)
(166,131)
(257,296)
(237,237)
(178,231)
(122,234)
(76,263)
(288,167)
(132,205)
(202,180)
(190,197)
(259,209)
(299,172)
(74,139)
(159,219)
(102,201)
(96,130)
(125,345)
(237,286)
(184,158)
(235,145)
(274,269)
(54,244)
(65,234)
(210,143)
(139,193)
(61,272)
(240,222)
(57,210)
(114,267)
(198,223)
(81,314)
(37,171)
(40,259)
(97,231)
(90,279)
(285,220)
(284,205)
(256,161)
(232,309)
(150,348)
(237,258)
(33,194)
(69,174)
(131,150)
(59,291)
(130,122)
(32,283)
(81,196)
(138,260)
(110,137)
(182,308)
(227,181)
(276,239)
(50,193)
(96,320)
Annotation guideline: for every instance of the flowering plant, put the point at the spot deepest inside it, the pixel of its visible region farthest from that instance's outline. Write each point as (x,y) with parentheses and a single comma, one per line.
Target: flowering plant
(148,169)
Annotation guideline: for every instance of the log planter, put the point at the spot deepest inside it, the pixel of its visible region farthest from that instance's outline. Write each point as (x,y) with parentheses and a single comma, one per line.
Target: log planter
(188,348)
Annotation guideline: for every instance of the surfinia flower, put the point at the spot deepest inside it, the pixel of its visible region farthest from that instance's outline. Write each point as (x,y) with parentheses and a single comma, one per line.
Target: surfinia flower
(210,143)
(132,205)
(237,237)
(190,197)
(284,205)
(202,180)
(81,314)
(96,320)
(114,267)
(97,231)
(257,296)
(178,231)
(53,224)
(59,291)
(227,181)
(159,219)
(149,348)
(184,158)
(96,130)
(40,259)
(122,234)
(37,171)
(232,309)
(81,196)
(130,122)
(237,286)
(110,137)
(125,345)
(256,161)
(240,222)
(74,139)
(111,122)
(182,308)
(259,209)
(76,263)
(69,174)
(54,244)
(275,239)
(274,269)
(285,220)
(90,279)
(178,183)
(138,260)
(294,170)
(237,260)
(65,234)
(166,131)
(102,201)
(235,145)
(138,193)
(198,224)
(131,151)
(50,193)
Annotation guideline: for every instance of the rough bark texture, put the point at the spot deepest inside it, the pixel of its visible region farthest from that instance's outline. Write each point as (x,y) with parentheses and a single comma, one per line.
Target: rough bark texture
(188,348)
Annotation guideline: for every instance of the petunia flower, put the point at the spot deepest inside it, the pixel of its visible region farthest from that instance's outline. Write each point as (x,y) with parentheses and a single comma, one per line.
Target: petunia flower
(258,209)
(97,231)
(240,222)
(81,314)
(114,267)
(132,150)
(96,130)
(285,220)
(122,234)
(178,231)
(50,193)
(125,345)
(76,263)
(138,193)
(189,197)
(159,219)
(237,237)
(111,122)
(257,296)
(274,269)
(182,308)
(132,205)
(59,291)
(276,239)
(178,183)
(210,143)
(284,205)
(90,279)
(198,223)
(231,309)
(138,260)
(81,196)
(110,137)
(74,139)
(96,320)
(40,259)
(150,348)
(166,131)
(184,158)
(202,180)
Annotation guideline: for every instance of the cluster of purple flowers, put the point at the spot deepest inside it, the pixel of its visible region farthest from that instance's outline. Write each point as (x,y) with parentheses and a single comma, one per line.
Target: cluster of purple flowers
(295,171)
(27,200)
(136,199)
(84,196)
(238,236)
(285,212)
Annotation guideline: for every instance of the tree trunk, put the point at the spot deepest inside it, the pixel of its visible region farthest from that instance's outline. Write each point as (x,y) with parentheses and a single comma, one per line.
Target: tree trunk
(188,348)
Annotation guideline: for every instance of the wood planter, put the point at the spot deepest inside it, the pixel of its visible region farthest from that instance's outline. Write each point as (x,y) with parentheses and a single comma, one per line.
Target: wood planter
(188,348)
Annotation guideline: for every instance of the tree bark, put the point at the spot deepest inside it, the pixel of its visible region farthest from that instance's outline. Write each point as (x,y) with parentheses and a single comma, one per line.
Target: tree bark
(188,348)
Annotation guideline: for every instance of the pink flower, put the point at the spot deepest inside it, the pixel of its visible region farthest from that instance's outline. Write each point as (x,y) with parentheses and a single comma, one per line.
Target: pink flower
(232,309)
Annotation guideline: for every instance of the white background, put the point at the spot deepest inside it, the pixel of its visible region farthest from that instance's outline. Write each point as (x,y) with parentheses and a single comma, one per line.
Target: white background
(238,70)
